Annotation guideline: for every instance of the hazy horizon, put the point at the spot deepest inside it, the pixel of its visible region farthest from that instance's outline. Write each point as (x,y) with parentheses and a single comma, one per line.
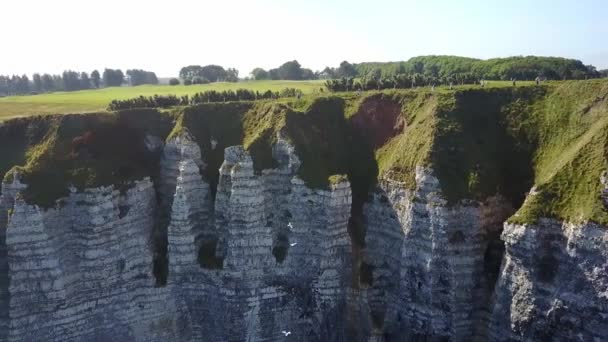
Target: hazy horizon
(50,37)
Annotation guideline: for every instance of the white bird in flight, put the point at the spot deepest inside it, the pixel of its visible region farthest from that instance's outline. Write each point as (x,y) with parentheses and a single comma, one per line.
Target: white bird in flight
(286,333)
(293,244)
(290,225)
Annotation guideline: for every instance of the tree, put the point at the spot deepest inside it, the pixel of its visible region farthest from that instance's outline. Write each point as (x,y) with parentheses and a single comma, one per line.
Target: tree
(58,83)
(199,80)
(95,77)
(47,83)
(85,82)
(259,74)
(37,80)
(23,84)
(71,80)
(190,71)
(273,74)
(307,74)
(290,71)
(328,73)
(346,70)
(213,73)
(138,77)
(232,75)
(174,81)
(113,78)
(604,73)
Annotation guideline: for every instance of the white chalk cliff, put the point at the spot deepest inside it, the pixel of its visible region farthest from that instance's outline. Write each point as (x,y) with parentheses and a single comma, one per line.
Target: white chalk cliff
(266,254)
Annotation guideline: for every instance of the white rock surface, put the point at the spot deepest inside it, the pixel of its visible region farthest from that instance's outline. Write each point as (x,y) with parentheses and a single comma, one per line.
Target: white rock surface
(83,271)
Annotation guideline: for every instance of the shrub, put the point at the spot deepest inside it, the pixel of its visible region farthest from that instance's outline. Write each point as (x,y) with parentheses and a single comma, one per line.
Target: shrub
(187,82)
(174,81)
(199,80)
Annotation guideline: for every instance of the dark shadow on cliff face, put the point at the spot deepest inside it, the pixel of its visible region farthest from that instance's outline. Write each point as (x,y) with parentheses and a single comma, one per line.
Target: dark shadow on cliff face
(481,149)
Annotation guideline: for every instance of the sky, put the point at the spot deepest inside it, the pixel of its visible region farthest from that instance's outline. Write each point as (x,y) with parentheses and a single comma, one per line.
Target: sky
(162,36)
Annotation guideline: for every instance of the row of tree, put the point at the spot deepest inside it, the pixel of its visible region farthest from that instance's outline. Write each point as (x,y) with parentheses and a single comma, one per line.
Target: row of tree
(291,70)
(196,74)
(165,101)
(67,81)
(401,81)
(72,80)
(517,67)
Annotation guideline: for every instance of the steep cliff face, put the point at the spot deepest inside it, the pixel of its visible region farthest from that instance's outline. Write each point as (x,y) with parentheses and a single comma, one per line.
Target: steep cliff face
(268,255)
(431,267)
(393,217)
(553,284)
(82,270)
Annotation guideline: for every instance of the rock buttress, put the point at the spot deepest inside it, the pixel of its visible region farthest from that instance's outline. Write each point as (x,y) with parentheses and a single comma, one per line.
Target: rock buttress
(83,270)
(273,255)
(553,284)
(424,262)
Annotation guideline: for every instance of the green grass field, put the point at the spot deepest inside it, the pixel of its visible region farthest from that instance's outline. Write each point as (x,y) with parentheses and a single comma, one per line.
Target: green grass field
(96,100)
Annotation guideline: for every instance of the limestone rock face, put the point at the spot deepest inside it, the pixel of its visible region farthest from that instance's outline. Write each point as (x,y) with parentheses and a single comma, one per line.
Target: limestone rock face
(262,253)
(429,276)
(553,284)
(267,255)
(7,199)
(82,271)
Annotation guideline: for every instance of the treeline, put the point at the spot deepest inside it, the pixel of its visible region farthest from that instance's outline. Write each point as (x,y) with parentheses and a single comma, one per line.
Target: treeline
(291,70)
(165,101)
(196,74)
(400,81)
(518,67)
(73,80)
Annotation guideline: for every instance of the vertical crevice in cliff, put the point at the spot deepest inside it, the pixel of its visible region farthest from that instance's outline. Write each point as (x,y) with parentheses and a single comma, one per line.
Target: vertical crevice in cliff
(494,211)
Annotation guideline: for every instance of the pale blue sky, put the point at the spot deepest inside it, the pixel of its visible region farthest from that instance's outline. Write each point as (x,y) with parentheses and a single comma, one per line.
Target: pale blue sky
(162,36)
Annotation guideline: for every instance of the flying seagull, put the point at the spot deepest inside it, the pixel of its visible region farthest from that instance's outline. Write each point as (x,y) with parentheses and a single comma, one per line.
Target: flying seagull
(286,333)
(293,244)
(290,225)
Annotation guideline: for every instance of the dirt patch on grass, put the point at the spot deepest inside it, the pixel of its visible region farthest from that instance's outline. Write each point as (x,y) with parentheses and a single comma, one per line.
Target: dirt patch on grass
(379,120)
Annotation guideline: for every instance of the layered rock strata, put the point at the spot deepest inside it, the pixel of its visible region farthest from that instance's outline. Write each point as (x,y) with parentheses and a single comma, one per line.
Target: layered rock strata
(427,261)
(82,271)
(264,254)
(553,284)
(267,255)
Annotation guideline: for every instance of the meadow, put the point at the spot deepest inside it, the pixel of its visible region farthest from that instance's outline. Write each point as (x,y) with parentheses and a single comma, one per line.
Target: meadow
(97,100)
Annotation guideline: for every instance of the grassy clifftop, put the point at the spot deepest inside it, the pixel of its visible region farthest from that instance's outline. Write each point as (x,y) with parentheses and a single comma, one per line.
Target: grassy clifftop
(480,142)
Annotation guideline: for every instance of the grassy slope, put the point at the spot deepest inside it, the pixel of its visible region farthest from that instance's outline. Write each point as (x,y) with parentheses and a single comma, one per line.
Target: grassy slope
(115,155)
(479,142)
(505,140)
(571,129)
(98,99)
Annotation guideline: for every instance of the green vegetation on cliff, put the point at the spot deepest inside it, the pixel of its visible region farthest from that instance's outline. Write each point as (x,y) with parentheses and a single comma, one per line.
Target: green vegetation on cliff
(482,142)
(88,151)
(479,143)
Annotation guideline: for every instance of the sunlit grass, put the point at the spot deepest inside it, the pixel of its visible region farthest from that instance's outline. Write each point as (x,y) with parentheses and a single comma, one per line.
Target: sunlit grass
(96,100)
